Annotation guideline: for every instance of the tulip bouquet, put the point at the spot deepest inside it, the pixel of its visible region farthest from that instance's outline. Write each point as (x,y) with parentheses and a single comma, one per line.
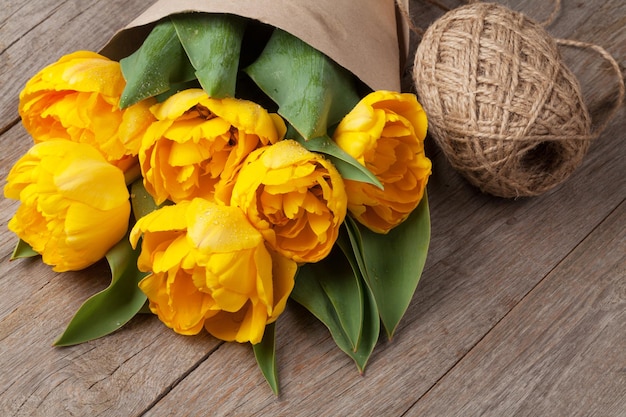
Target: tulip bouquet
(222,167)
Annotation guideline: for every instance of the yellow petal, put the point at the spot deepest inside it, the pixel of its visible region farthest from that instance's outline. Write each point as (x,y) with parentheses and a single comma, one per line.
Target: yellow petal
(220,228)
(83,71)
(177,303)
(172,255)
(93,182)
(166,218)
(224,325)
(176,105)
(229,301)
(246,116)
(283,273)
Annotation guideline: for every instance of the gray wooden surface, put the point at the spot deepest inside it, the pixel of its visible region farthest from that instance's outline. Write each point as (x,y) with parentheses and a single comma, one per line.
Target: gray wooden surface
(521,309)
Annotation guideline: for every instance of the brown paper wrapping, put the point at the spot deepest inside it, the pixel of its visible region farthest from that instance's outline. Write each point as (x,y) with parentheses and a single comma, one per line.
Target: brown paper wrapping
(367,37)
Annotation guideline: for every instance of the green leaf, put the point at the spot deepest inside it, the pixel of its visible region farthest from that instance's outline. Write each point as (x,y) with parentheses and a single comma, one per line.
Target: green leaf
(23,250)
(335,303)
(370,327)
(343,289)
(213,44)
(371,330)
(348,167)
(158,63)
(141,201)
(392,264)
(110,309)
(311,90)
(265,354)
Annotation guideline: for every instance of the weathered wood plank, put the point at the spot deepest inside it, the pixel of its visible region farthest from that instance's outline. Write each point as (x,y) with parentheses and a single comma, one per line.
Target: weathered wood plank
(487,255)
(121,374)
(35,34)
(560,352)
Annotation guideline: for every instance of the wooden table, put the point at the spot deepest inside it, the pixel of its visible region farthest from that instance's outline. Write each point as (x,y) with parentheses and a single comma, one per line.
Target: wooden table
(521,309)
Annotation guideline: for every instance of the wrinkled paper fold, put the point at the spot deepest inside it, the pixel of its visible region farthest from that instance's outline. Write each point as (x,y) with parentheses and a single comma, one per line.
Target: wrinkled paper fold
(368,37)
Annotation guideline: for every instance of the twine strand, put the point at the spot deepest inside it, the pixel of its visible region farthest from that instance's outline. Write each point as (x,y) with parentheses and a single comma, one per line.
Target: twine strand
(408,19)
(598,129)
(420,32)
(552,17)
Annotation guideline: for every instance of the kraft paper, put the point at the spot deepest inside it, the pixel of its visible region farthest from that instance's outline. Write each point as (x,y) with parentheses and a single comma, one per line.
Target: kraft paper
(367,37)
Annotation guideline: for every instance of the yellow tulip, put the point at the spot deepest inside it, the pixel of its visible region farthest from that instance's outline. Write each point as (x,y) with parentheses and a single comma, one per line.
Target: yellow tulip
(296,198)
(77,98)
(74,204)
(210,268)
(385,132)
(198,144)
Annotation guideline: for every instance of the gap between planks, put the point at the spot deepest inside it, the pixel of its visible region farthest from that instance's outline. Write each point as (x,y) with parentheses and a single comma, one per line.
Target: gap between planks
(517,306)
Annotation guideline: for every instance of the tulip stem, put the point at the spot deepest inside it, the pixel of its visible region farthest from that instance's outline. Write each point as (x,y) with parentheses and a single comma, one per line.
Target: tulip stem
(132,174)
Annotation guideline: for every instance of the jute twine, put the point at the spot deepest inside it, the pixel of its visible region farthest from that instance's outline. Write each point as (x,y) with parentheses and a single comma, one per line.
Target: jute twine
(501,104)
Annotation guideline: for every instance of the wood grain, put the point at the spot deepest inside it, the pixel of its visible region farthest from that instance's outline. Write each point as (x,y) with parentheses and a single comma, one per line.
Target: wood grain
(520,310)
(35,34)
(565,337)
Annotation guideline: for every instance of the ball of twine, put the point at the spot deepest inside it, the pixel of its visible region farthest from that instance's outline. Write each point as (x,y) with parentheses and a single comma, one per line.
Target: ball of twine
(502,106)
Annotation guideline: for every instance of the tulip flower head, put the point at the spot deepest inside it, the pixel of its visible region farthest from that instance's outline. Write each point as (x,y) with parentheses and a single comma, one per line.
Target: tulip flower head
(295,197)
(385,132)
(198,145)
(210,268)
(74,205)
(77,98)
